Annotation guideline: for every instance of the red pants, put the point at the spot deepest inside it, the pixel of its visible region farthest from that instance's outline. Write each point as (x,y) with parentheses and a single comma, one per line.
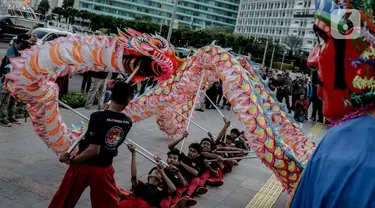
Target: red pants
(206,176)
(171,200)
(133,201)
(192,186)
(103,190)
(214,179)
(203,178)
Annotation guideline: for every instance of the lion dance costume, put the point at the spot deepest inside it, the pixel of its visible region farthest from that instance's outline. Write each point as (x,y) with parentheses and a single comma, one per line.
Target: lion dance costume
(341,171)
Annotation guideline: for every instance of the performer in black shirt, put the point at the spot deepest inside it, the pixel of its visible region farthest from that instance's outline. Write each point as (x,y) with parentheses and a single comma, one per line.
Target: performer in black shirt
(150,194)
(92,166)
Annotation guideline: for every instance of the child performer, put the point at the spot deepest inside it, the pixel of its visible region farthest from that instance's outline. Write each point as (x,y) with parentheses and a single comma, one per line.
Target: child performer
(174,174)
(213,175)
(150,194)
(191,167)
(92,166)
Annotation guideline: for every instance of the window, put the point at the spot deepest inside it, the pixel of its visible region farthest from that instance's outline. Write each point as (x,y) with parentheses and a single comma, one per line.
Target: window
(309,42)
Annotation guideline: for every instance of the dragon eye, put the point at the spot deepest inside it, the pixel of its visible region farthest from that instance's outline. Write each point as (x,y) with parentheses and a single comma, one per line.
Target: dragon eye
(145,44)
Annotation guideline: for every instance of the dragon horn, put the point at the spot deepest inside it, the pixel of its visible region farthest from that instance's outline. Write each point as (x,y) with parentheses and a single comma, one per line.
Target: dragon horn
(134,32)
(213,43)
(121,33)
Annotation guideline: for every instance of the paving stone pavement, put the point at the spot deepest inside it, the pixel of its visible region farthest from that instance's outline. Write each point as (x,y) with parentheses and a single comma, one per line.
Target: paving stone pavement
(30,173)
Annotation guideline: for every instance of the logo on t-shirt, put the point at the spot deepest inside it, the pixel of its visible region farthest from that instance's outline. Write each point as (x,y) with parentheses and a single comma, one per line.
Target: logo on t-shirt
(114,136)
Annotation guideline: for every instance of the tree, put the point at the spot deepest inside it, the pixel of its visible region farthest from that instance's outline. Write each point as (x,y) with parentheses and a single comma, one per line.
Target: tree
(224,29)
(59,11)
(43,7)
(143,18)
(67,4)
(293,44)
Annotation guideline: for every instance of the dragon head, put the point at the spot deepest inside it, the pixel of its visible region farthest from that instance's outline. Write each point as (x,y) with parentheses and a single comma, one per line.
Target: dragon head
(152,53)
(344,55)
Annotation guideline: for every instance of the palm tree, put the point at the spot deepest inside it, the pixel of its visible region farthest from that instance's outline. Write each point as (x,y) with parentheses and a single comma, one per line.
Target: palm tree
(293,44)
(59,11)
(43,7)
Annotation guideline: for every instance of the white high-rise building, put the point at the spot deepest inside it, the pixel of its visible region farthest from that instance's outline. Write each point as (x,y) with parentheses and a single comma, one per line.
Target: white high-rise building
(277,19)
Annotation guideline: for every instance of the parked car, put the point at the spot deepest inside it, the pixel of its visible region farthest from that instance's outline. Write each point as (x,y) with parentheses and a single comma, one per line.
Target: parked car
(183,52)
(46,34)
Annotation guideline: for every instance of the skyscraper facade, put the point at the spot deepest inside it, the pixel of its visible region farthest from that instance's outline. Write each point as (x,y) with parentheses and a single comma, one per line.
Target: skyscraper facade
(277,19)
(195,13)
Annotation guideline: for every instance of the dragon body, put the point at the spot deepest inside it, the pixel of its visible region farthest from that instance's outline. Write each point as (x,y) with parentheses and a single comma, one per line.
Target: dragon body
(273,135)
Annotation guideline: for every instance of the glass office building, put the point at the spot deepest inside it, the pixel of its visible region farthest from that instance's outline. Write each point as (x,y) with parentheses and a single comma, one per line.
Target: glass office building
(195,13)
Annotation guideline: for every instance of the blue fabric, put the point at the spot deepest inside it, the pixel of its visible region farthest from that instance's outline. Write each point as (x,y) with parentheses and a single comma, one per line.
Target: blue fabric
(107,96)
(309,91)
(299,118)
(11,52)
(341,172)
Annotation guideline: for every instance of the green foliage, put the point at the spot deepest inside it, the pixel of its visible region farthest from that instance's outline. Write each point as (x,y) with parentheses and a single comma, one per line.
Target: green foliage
(293,43)
(184,36)
(68,4)
(75,99)
(143,18)
(286,66)
(43,7)
(104,31)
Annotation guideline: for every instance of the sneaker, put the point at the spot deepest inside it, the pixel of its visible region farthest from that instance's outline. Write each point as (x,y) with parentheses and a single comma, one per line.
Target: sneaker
(5,123)
(199,109)
(13,120)
(189,201)
(181,203)
(201,190)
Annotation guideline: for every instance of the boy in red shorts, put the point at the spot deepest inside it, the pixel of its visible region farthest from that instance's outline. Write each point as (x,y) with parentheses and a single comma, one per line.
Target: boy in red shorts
(92,166)
(150,194)
(191,167)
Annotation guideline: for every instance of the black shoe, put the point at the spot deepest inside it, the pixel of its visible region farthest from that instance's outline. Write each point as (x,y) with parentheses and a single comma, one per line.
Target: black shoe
(201,190)
(320,121)
(208,108)
(199,109)
(13,120)
(5,123)
(222,107)
(313,119)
